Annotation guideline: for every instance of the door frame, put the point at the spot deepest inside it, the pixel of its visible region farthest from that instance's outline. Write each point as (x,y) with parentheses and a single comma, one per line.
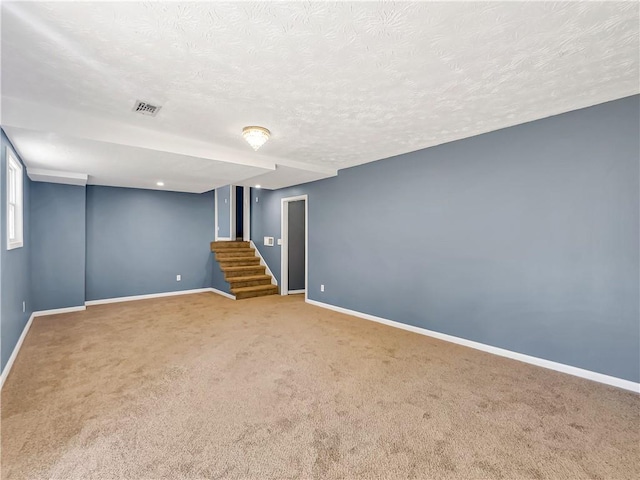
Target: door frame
(284,247)
(246,213)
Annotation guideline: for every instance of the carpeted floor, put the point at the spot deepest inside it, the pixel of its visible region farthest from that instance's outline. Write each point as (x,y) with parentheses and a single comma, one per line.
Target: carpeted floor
(200,386)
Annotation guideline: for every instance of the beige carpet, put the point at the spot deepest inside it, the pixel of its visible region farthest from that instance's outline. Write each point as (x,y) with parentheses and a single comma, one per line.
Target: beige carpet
(200,386)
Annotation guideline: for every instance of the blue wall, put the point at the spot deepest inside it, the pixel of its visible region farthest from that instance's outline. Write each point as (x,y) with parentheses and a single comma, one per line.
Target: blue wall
(218,280)
(139,240)
(14,267)
(224,211)
(524,238)
(58,214)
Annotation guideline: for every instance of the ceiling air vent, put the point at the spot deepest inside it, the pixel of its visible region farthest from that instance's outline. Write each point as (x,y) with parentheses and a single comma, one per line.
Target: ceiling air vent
(145,108)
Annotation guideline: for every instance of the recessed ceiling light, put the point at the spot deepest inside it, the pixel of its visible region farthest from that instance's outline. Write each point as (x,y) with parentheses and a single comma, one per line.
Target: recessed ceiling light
(160,184)
(258,186)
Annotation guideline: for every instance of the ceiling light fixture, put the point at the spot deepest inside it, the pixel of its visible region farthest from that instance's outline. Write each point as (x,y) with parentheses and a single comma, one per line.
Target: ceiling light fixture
(160,184)
(256,136)
(258,186)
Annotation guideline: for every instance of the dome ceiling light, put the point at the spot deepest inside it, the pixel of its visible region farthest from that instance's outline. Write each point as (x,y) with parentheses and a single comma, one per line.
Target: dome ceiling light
(256,136)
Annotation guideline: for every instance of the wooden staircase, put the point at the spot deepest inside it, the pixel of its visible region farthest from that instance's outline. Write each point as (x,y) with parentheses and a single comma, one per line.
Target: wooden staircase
(242,270)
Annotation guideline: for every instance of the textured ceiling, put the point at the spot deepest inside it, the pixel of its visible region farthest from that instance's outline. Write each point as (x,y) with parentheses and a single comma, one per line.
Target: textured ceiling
(338,84)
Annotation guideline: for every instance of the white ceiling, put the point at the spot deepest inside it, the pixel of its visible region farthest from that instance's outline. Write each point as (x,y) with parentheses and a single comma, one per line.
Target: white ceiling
(125,166)
(338,84)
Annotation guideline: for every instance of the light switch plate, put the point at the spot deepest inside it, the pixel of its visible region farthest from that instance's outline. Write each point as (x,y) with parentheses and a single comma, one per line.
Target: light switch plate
(279,241)
(268,241)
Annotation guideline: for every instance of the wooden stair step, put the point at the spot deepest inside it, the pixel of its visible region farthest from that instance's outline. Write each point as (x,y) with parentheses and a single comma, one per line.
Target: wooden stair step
(249,281)
(238,261)
(255,291)
(224,246)
(235,252)
(242,271)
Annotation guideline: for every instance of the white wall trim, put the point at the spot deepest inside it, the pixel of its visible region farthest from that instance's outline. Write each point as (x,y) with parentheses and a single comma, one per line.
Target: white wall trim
(246,214)
(16,349)
(540,362)
(80,308)
(284,245)
(25,330)
(151,295)
(220,292)
(232,213)
(57,311)
(263,262)
(296,292)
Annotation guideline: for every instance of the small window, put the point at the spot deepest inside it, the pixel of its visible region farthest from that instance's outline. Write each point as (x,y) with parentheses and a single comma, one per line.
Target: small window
(14,202)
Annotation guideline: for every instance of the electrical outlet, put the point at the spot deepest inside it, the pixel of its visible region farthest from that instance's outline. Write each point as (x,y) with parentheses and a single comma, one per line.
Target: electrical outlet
(178,278)
(322,288)
(24,306)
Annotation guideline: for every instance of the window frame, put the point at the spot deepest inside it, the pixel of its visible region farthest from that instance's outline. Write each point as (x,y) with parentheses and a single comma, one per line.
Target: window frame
(15,201)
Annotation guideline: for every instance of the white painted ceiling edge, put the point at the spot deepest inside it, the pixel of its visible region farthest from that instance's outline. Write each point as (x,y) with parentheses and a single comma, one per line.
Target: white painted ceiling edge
(53,127)
(283,176)
(338,84)
(56,176)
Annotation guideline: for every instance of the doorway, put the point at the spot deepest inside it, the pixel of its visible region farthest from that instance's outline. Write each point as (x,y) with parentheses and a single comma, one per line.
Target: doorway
(294,235)
(232,213)
(239,204)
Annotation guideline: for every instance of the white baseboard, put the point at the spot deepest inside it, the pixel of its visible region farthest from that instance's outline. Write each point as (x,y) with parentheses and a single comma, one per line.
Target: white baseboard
(540,362)
(56,311)
(295,292)
(25,330)
(224,294)
(145,297)
(16,349)
(80,308)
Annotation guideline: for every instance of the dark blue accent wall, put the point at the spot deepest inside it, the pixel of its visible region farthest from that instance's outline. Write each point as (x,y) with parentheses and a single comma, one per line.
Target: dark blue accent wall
(526,238)
(58,214)
(239,211)
(139,240)
(14,266)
